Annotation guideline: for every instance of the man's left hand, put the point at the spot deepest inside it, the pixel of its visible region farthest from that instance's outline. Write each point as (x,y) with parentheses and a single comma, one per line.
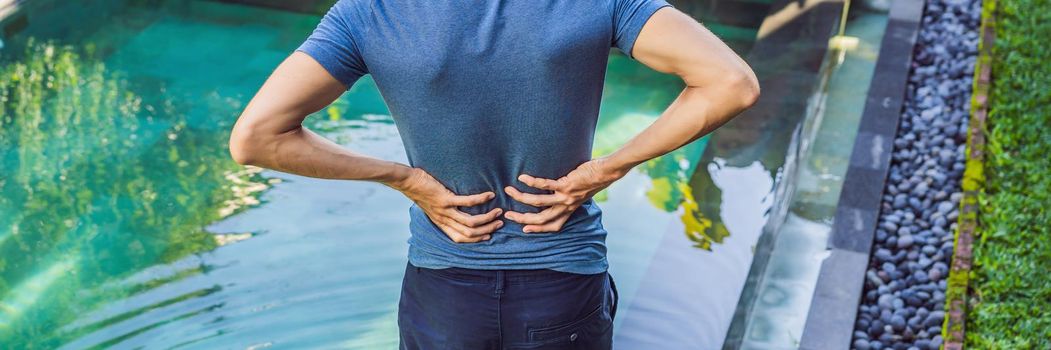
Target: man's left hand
(570,192)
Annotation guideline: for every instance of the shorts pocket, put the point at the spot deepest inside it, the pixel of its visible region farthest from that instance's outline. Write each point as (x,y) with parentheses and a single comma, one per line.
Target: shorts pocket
(594,324)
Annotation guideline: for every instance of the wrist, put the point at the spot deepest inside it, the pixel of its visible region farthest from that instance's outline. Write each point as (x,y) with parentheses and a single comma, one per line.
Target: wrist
(399,177)
(614,167)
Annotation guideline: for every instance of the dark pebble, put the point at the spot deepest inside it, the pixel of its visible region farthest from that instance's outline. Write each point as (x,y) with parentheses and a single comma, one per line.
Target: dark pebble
(905,242)
(934,319)
(897,322)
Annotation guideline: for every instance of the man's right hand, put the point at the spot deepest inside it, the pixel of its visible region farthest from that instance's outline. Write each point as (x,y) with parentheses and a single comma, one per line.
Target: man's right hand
(440,204)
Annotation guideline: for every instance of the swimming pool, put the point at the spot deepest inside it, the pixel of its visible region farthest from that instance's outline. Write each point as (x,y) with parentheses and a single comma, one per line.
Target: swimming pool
(125,224)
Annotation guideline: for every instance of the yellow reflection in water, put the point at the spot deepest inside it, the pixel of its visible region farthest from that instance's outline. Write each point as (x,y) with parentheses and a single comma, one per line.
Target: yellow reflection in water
(699,229)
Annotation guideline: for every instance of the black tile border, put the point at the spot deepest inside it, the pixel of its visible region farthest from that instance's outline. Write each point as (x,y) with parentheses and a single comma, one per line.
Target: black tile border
(830,324)
(830,320)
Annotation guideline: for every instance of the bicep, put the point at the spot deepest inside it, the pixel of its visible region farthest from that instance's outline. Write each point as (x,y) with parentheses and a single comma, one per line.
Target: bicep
(298,87)
(673,42)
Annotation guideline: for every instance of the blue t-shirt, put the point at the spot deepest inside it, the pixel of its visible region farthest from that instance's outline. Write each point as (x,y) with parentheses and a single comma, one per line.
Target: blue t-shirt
(482,91)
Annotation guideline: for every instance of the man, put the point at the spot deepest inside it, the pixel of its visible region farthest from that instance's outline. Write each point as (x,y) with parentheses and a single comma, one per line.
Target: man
(496,102)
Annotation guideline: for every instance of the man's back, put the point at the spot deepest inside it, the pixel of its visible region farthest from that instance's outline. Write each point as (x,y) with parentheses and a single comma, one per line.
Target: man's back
(495,100)
(481,92)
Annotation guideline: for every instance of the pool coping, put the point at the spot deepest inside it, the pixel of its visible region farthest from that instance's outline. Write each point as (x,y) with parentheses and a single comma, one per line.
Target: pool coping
(801,31)
(833,311)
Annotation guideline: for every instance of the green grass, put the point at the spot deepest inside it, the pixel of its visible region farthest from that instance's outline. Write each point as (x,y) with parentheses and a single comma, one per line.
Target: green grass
(1011,288)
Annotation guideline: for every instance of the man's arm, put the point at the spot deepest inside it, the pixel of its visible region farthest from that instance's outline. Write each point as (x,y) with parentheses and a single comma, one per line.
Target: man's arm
(719,85)
(270,134)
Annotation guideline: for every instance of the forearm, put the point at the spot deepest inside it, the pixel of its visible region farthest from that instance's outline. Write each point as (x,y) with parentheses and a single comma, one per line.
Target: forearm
(719,85)
(270,132)
(696,112)
(303,152)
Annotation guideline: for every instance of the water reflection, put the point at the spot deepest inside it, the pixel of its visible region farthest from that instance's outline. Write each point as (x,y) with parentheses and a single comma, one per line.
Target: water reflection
(632,89)
(97,183)
(699,229)
(686,297)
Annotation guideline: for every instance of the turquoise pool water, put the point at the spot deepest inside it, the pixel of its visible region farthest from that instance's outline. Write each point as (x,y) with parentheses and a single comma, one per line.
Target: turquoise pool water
(123,223)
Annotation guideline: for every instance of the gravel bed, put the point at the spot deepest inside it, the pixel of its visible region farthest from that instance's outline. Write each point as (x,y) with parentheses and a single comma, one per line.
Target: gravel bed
(902,306)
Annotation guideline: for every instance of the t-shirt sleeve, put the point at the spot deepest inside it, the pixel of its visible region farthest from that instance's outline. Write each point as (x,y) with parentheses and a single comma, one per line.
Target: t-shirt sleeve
(628,18)
(333,44)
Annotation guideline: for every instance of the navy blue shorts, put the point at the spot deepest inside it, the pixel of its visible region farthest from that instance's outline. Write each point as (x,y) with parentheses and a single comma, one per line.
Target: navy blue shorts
(505,309)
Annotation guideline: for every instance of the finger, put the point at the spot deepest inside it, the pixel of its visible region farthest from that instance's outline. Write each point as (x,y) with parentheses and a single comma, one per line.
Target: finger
(477,233)
(485,231)
(540,218)
(475,220)
(554,226)
(536,200)
(460,234)
(544,184)
(471,200)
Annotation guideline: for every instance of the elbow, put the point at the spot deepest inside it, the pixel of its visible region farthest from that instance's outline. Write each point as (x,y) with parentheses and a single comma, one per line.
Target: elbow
(747,86)
(243,148)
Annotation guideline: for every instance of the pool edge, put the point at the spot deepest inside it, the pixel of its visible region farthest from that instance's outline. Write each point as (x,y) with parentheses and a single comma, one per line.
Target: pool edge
(830,319)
